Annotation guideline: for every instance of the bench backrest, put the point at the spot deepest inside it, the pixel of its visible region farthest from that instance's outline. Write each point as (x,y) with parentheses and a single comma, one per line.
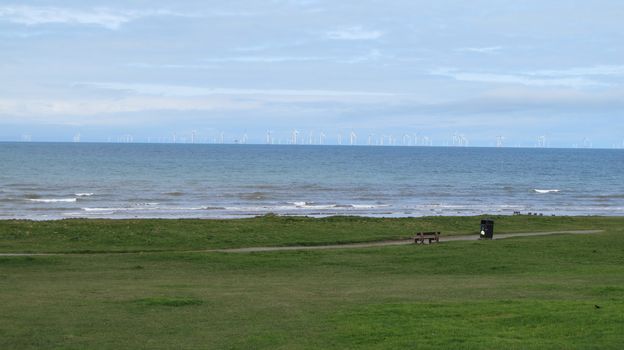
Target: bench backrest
(428,233)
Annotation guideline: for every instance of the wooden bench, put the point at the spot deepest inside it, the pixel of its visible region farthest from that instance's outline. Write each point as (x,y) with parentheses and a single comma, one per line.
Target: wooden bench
(431,236)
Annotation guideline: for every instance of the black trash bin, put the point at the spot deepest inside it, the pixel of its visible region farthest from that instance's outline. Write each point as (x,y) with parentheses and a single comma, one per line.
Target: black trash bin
(487,229)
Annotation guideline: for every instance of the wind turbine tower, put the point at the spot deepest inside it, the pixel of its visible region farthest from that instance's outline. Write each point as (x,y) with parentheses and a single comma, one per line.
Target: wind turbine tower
(500,141)
(352,138)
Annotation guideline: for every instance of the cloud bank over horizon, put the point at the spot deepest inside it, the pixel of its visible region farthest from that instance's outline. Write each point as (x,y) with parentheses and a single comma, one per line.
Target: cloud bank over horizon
(483,70)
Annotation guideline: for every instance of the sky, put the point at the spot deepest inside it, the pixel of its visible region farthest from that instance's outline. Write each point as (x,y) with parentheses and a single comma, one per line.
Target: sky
(433,71)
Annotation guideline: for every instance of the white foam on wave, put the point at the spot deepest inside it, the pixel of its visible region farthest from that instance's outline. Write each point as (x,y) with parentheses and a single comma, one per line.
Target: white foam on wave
(84,194)
(52,200)
(546,191)
(306,206)
(148,208)
(303,205)
(369,206)
(145,204)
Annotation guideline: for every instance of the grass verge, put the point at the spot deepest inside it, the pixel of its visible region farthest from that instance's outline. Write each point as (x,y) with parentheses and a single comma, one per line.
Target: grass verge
(550,292)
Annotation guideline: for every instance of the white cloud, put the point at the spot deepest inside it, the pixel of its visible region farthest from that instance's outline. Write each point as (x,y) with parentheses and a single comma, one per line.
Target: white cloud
(22,34)
(74,107)
(103,17)
(132,98)
(297,2)
(372,55)
(189,91)
(172,66)
(485,50)
(527,79)
(213,63)
(601,70)
(266,59)
(354,33)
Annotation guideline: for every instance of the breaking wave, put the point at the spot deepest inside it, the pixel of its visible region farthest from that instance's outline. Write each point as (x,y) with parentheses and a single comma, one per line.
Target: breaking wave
(546,191)
(52,200)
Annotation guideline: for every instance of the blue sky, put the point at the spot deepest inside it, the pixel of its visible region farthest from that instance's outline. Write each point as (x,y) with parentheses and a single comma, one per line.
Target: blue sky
(152,69)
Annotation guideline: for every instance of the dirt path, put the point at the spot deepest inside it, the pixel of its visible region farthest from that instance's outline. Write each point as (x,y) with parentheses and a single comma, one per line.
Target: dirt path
(401,242)
(321,247)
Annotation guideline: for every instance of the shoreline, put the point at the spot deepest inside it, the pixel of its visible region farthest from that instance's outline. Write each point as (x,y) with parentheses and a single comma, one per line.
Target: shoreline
(311,216)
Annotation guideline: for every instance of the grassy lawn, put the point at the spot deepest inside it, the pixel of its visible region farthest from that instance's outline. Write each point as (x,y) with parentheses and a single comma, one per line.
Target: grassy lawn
(167,235)
(550,292)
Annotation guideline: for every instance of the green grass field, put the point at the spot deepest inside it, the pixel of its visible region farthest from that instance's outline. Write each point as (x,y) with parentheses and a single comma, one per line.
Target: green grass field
(172,235)
(550,292)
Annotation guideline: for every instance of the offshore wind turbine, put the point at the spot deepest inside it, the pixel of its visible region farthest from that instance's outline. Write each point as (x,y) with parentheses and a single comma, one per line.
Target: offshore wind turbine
(406,140)
(352,138)
(500,141)
(340,138)
(293,136)
(322,138)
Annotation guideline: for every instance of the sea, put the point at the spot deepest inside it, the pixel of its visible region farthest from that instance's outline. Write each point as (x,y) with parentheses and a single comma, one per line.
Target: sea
(44,181)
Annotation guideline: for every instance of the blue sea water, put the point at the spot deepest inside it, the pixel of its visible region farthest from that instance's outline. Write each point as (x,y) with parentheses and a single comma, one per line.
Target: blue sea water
(63,180)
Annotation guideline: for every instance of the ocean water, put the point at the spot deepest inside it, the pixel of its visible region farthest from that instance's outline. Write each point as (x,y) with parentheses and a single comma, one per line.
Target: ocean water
(64,180)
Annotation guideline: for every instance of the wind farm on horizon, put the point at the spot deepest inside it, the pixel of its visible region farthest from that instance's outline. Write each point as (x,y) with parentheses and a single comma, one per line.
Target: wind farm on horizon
(349,137)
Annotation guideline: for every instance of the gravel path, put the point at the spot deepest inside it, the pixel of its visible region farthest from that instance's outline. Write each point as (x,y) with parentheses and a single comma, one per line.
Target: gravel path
(322,247)
(401,242)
